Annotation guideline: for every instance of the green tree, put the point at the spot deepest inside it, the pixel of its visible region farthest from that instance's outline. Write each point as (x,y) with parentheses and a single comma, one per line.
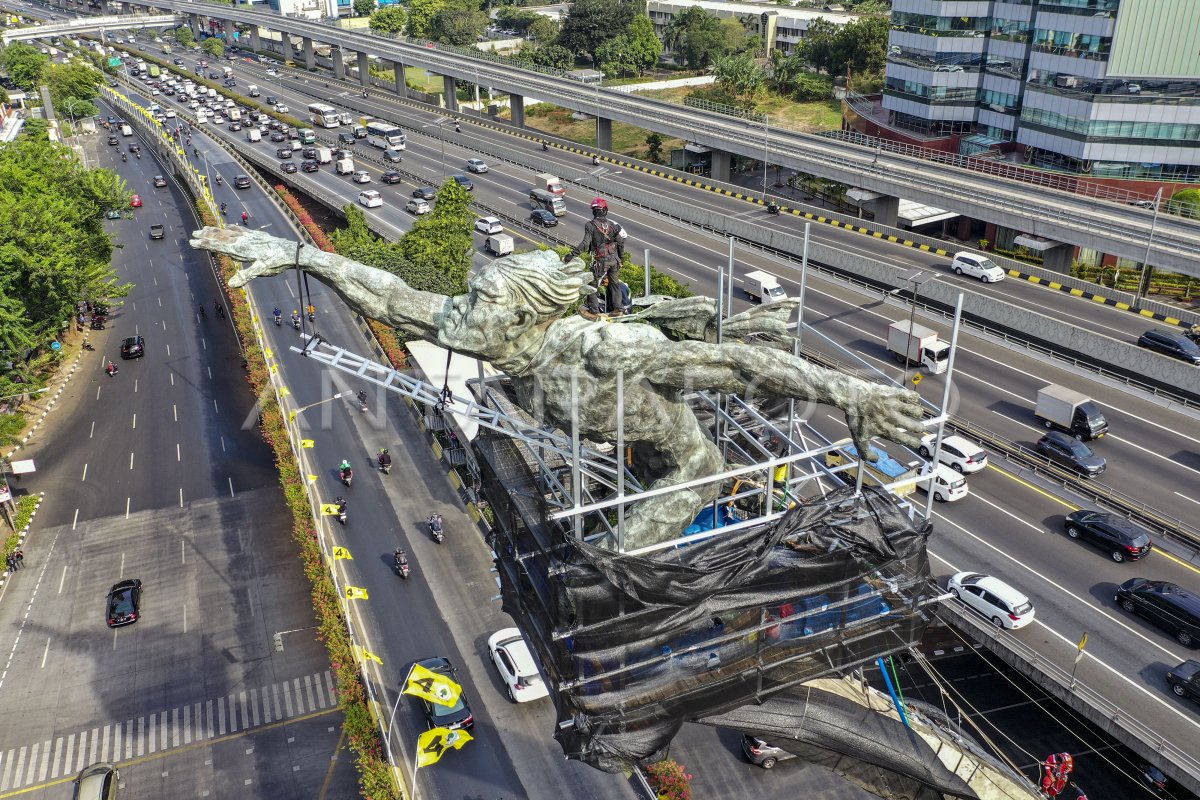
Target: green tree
(388,20)
(740,76)
(517,19)
(810,87)
(420,17)
(818,48)
(591,22)
(184,35)
(690,18)
(550,55)
(213,46)
(457,25)
(861,45)
(542,30)
(784,69)
(645,47)
(364,8)
(25,64)
(654,143)
(439,249)
(1185,203)
(616,56)
(72,82)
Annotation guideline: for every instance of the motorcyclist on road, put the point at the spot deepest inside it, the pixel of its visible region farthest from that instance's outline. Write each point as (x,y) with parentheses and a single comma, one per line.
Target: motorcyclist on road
(245,217)
(341,505)
(385,458)
(345,469)
(457,128)
(295,319)
(545,146)
(400,557)
(224,208)
(124,157)
(218,180)
(435,523)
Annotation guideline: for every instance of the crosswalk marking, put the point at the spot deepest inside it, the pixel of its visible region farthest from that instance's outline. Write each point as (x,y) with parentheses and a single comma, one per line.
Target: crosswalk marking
(66,754)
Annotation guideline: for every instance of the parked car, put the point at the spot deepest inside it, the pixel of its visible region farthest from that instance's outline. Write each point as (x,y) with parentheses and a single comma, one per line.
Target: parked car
(763,754)
(425,193)
(1115,535)
(1175,345)
(97,782)
(1168,605)
(417,206)
(477,165)
(540,216)
(993,598)
(956,452)
(489,225)
(1067,451)
(1185,679)
(510,653)
(391,176)
(133,347)
(124,603)
(442,716)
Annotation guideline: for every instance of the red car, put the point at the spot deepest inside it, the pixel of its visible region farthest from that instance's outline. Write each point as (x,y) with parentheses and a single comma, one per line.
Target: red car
(136,201)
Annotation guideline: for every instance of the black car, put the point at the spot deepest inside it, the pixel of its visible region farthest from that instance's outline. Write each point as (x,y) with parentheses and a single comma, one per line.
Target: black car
(1168,605)
(465,182)
(1175,345)
(762,753)
(113,140)
(134,147)
(272,100)
(177,62)
(1185,679)
(234,127)
(393,156)
(124,602)
(283,152)
(133,347)
(159,181)
(425,193)
(540,216)
(288,166)
(278,136)
(440,716)
(391,176)
(1115,535)
(309,165)
(241,182)
(274,124)
(346,139)
(310,152)
(1069,452)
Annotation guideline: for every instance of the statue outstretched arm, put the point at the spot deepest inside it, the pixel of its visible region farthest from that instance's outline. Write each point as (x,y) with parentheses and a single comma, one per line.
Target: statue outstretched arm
(871,409)
(372,292)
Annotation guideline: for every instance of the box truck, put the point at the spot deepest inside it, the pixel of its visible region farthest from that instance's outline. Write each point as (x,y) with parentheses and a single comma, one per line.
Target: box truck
(499,244)
(344,166)
(324,155)
(1068,410)
(551,184)
(763,287)
(921,346)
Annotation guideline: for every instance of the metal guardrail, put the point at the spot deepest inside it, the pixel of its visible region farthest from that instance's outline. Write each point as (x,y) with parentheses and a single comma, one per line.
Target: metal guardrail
(1077,693)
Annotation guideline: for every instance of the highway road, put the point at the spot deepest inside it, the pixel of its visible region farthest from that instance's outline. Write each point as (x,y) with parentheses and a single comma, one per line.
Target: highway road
(158,473)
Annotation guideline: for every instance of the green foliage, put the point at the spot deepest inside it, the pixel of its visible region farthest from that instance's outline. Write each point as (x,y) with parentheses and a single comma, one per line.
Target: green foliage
(389,20)
(858,46)
(363,8)
(699,38)
(76,82)
(740,75)
(818,47)
(809,87)
(591,22)
(25,64)
(420,17)
(184,35)
(11,428)
(654,143)
(213,46)
(634,275)
(516,19)
(615,56)
(644,43)
(453,24)
(1185,203)
(439,247)
(542,30)
(551,55)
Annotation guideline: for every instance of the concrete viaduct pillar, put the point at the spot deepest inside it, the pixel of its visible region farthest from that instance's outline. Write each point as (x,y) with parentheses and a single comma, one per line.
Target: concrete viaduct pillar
(451,93)
(339,67)
(887,210)
(194,24)
(289,53)
(1059,257)
(230,30)
(720,165)
(603,134)
(401,79)
(517,109)
(255,39)
(364,69)
(310,55)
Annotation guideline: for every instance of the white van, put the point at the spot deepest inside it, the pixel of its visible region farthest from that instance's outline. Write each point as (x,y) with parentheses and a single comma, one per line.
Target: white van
(948,484)
(201,117)
(253,135)
(254,92)
(370,198)
(977,267)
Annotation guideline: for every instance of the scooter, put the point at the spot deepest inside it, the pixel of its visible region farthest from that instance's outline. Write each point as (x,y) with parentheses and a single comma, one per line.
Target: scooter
(435,529)
(362,402)
(347,476)
(341,514)
(401,563)
(296,323)
(773,208)
(385,464)
(278,320)
(88,346)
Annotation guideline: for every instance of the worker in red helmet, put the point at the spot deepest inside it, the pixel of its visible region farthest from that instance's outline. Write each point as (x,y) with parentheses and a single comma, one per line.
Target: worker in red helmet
(606,241)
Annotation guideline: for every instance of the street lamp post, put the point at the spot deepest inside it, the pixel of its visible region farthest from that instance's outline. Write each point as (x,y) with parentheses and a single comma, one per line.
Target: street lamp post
(912,317)
(766,133)
(1143,286)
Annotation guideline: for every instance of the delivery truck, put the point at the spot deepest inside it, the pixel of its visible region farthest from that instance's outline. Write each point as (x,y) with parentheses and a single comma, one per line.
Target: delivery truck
(763,287)
(344,166)
(921,346)
(550,183)
(324,155)
(1068,410)
(499,244)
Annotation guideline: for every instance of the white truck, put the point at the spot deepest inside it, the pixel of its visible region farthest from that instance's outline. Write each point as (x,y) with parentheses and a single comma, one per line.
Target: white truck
(126,130)
(344,166)
(499,244)
(920,346)
(235,115)
(550,183)
(324,155)
(1071,411)
(763,287)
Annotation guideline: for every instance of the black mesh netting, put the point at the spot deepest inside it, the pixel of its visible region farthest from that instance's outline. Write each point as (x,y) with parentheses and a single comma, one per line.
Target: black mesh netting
(633,646)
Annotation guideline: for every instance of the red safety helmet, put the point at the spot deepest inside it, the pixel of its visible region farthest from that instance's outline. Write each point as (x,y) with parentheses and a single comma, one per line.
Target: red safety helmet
(600,202)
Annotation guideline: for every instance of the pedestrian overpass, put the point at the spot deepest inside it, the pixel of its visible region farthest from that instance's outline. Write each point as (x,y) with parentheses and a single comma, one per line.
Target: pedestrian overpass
(89,25)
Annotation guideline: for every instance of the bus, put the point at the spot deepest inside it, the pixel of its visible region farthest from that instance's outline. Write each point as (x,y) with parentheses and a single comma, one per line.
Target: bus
(324,115)
(385,135)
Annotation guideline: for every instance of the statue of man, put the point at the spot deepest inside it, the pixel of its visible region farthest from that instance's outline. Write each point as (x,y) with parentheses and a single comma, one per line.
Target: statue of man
(515,317)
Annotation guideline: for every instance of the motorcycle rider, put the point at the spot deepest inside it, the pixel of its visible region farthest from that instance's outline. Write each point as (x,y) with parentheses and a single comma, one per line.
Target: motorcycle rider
(606,241)
(341,507)
(385,460)
(347,472)
(295,319)
(278,315)
(400,557)
(124,157)
(224,208)
(362,399)
(435,525)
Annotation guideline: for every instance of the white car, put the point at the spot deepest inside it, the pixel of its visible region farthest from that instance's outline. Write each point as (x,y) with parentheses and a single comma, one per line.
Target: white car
(488,225)
(170,113)
(993,598)
(272,72)
(957,452)
(477,165)
(948,485)
(417,206)
(281,109)
(370,198)
(517,668)
(362,176)
(977,267)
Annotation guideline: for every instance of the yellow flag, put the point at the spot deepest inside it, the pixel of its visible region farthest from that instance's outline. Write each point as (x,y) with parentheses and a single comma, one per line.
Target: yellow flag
(429,685)
(434,742)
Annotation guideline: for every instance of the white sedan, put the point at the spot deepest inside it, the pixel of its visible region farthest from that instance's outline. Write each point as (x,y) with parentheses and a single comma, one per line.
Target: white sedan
(170,113)
(370,198)
(477,165)
(489,225)
(517,668)
(362,176)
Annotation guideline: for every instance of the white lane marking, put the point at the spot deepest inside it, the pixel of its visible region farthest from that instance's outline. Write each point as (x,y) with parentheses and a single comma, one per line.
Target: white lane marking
(135,421)
(75,520)
(177,454)
(83,478)
(92,432)
(131,461)
(1185,497)
(45,652)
